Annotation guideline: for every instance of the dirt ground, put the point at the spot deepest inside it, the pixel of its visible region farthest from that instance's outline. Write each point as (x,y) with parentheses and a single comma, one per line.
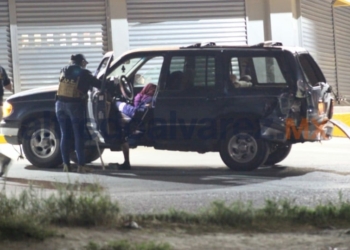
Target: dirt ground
(77,238)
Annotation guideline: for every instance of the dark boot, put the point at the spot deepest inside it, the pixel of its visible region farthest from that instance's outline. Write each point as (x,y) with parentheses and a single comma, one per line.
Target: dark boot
(124,166)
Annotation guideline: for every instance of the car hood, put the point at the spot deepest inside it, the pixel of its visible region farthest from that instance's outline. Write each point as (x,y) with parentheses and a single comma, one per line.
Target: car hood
(36,93)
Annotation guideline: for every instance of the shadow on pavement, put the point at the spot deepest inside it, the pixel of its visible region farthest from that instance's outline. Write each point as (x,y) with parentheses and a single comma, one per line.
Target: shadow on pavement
(193,175)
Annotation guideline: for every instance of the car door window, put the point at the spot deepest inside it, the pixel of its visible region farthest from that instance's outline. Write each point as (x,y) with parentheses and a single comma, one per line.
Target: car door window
(268,71)
(256,70)
(205,71)
(191,71)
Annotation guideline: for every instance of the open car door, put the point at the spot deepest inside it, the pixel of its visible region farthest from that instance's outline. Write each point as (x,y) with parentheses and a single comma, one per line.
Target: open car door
(97,106)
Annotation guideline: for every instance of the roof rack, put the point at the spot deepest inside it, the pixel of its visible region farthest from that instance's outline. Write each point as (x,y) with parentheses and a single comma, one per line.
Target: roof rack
(199,45)
(209,44)
(268,44)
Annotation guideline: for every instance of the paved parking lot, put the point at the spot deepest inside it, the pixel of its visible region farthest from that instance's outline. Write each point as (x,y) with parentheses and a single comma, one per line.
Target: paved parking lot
(160,180)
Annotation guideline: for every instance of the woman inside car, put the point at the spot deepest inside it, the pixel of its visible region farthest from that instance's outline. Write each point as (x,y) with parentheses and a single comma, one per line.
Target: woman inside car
(140,101)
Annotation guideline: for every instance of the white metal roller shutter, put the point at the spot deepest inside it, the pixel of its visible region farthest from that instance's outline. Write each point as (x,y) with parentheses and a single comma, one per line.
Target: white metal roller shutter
(318,36)
(185,22)
(5,36)
(49,32)
(342,35)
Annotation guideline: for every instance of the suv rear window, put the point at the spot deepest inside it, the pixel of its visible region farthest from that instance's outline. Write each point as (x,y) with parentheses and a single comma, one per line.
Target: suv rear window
(312,72)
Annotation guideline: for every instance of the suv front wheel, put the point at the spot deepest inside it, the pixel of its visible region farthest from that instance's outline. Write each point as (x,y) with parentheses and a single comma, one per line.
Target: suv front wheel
(41,143)
(241,151)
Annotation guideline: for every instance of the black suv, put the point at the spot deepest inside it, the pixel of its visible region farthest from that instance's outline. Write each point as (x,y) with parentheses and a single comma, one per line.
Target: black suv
(249,103)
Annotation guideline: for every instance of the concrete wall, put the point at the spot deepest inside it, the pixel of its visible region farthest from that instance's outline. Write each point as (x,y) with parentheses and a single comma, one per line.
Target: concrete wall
(277,20)
(118,26)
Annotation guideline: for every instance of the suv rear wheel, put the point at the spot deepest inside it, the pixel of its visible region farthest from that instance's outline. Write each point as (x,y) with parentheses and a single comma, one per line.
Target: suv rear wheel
(241,151)
(41,143)
(279,153)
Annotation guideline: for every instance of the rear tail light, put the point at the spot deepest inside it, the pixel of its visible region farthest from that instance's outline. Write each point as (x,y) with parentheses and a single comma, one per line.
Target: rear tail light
(321,108)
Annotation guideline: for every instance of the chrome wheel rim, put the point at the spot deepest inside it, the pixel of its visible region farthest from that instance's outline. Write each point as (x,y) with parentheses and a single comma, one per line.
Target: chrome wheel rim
(242,147)
(43,143)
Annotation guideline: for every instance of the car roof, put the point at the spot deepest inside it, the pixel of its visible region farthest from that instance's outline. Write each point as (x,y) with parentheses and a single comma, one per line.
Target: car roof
(268,45)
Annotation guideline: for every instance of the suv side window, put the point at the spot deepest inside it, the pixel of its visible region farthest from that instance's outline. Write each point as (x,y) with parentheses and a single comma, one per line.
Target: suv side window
(205,71)
(268,71)
(191,71)
(255,70)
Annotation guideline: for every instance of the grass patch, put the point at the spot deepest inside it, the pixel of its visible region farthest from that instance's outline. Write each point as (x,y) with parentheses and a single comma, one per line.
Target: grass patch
(90,207)
(30,214)
(274,216)
(19,219)
(126,245)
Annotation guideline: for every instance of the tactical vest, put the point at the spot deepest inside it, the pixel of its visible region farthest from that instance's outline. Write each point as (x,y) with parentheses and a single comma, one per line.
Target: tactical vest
(68,86)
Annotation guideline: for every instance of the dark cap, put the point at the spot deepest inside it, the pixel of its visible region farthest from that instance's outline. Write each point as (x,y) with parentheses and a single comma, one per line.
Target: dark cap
(78,58)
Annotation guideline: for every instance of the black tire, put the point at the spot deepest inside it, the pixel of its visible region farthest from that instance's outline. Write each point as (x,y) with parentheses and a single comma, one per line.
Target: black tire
(41,143)
(279,153)
(241,151)
(91,154)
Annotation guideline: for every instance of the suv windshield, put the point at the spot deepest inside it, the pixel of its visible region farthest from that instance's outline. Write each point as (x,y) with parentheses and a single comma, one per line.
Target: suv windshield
(125,67)
(139,69)
(312,72)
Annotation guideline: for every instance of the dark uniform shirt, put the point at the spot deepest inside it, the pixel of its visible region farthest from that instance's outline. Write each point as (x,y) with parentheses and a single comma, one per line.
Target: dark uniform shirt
(75,83)
(4,81)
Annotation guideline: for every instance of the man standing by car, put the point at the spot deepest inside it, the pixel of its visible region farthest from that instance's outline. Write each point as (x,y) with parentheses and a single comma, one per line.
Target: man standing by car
(5,82)
(75,81)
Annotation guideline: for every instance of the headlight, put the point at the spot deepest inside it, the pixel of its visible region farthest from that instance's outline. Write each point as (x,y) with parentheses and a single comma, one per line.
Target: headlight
(7,109)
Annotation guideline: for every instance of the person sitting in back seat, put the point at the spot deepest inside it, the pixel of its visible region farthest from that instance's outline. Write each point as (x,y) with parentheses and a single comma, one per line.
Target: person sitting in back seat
(243,82)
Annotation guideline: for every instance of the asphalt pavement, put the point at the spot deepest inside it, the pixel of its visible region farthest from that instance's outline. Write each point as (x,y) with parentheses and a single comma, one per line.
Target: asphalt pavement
(160,180)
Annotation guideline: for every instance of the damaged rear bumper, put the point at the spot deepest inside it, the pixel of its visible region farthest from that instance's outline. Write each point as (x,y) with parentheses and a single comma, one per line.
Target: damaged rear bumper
(283,130)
